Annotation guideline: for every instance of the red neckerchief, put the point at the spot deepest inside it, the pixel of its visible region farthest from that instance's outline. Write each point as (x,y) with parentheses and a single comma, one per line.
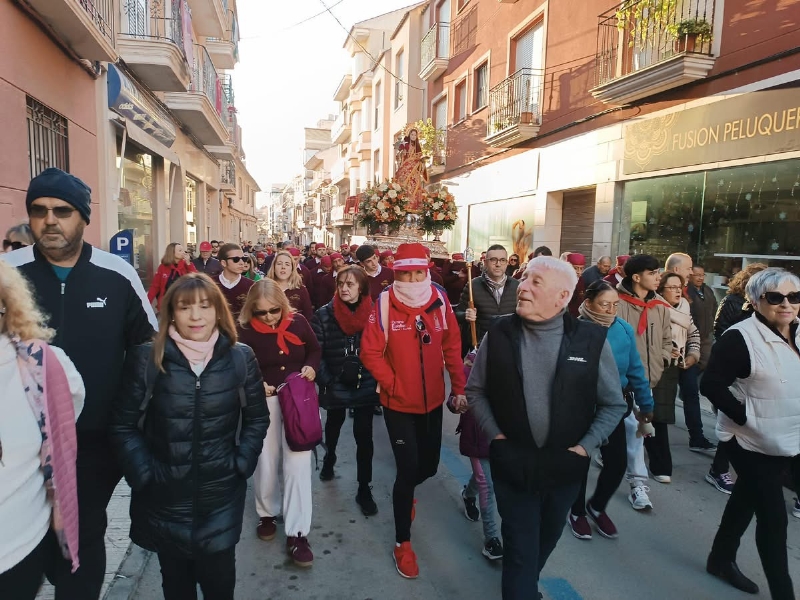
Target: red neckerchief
(636,301)
(281,330)
(352,322)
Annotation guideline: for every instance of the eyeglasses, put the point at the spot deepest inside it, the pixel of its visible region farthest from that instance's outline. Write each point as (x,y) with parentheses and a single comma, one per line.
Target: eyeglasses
(272,311)
(426,337)
(776,298)
(13,245)
(235,259)
(672,288)
(496,261)
(37,211)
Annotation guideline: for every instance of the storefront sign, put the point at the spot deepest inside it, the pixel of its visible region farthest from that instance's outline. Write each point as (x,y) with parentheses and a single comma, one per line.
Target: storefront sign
(125,99)
(122,245)
(754,124)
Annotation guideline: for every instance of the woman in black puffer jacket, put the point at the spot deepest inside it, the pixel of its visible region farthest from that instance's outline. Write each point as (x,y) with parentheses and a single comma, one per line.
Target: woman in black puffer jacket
(202,433)
(343,380)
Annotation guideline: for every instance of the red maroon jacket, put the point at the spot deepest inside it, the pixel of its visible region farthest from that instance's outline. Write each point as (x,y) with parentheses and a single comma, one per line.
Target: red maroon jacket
(324,289)
(158,287)
(410,373)
(301,301)
(380,282)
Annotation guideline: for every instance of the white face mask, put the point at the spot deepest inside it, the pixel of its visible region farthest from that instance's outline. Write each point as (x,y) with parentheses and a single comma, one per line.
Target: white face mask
(414,293)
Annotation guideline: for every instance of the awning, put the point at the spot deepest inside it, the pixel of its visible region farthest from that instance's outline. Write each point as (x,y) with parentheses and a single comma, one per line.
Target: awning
(148,142)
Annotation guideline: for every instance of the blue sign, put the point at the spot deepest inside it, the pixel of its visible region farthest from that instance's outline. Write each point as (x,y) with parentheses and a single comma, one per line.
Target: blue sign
(125,99)
(122,245)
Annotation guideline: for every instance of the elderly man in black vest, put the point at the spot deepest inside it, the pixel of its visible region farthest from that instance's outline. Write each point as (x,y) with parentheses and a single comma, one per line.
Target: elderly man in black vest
(545,389)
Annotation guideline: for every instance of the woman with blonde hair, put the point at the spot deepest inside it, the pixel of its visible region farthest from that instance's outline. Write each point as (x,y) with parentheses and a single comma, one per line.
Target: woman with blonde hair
(188,429)
(283,271)
(284,343)
(42,397)
(173,265)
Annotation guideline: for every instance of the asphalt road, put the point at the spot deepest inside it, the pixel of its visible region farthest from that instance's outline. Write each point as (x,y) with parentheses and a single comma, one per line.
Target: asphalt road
(659,555)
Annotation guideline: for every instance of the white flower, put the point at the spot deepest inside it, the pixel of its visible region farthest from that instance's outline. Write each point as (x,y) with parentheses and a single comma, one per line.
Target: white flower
(384,187)
(392,194)
(384,215)
(396,186)
(398,210)
(374,197)
(381,205)
(440,217)
(437,205)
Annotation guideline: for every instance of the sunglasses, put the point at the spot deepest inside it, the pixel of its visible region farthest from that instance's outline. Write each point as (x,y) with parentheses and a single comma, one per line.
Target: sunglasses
(37,211)
(272,311)
(776,298)
(426,337)
(235,259)
(13,245)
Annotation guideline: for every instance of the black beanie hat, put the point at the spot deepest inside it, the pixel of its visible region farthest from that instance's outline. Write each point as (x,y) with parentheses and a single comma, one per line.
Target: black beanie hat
(364,252)
(55,183)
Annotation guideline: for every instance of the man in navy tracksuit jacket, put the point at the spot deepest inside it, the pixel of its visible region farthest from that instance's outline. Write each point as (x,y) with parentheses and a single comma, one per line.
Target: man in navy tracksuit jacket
(99,309)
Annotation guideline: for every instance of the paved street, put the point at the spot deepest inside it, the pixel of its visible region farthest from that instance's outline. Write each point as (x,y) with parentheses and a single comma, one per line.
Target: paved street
(659,556)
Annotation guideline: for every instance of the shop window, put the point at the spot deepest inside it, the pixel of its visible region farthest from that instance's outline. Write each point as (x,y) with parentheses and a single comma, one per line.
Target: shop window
(48,142)
(191,211)
(135,212)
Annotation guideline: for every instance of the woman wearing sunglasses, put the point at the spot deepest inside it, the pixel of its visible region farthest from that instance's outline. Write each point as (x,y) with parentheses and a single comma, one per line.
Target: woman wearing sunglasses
(285,274)
(173,265)
(18,237)
(344,382)
(251,271)
(753,378)
(284,343)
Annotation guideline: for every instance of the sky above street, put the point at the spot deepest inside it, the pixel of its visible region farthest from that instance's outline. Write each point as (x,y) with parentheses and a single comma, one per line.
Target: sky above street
(287,75)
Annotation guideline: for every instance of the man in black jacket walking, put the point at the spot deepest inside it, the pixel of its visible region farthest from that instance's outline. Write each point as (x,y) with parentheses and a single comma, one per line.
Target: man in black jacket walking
(205,263)
(99,309)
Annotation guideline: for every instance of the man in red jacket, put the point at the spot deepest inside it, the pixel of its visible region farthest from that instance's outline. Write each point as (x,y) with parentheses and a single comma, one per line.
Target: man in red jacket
(411,336)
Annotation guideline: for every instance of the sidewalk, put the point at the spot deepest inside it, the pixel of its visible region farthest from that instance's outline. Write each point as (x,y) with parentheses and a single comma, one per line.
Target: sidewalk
(117,540)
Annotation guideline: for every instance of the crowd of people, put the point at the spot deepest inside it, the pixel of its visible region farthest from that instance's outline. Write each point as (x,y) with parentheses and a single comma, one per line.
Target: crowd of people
(218,373)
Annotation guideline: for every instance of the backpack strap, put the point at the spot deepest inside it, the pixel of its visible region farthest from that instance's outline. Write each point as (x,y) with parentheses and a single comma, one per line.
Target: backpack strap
(150,377)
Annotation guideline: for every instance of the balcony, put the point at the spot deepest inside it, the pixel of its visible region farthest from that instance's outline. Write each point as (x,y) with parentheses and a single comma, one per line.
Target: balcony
(340,132)
(202,108)
(645,47)
(227,177)
(342,92)
(363,146)
(435,51)
(515,109)
(340,171)
(209,17)
(320,179)
(233,147)
(224,51)
(340,217)
(87,26)
(151,43)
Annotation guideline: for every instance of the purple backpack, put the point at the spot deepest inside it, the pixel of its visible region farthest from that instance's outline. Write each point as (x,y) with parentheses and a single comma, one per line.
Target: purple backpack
(300,407)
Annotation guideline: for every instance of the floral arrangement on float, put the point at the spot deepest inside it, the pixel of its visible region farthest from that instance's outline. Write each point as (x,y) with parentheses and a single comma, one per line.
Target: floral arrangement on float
(383,206)
(439,212)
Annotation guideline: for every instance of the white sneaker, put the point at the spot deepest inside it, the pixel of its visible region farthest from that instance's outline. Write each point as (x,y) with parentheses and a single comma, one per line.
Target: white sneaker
(639,499)
(662,478)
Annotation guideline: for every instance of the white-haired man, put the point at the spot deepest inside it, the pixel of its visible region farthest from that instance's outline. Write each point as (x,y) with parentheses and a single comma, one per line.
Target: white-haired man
(540,447)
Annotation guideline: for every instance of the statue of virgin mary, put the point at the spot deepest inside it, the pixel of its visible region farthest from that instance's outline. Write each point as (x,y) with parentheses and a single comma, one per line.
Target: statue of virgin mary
(411,171)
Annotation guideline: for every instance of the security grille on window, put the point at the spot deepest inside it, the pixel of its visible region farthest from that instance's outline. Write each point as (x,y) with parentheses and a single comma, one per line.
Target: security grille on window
(48,143)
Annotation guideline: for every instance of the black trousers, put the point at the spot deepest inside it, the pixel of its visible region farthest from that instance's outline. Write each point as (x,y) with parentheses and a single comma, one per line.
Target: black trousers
(416,443)
(362,432)
(215,573)
(721,463)
(658,451)
(98,474)
(758,489)
(23,580)
(615,461)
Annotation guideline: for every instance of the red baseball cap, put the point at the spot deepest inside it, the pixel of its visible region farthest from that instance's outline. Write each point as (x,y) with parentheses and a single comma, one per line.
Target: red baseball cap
(410,257)
(205,247)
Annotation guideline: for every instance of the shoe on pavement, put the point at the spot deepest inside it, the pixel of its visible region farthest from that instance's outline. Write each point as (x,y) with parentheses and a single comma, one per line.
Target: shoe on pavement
(722,482)
(470,508)
(662,478)
(579,526)
(639,499)
(605,526)
(405,561)
(266,528)
(366,501)
(598,460)
(326,473)
(701,445)
(299,550)
(493,549)
(377,411)
(729,571)
(796,508)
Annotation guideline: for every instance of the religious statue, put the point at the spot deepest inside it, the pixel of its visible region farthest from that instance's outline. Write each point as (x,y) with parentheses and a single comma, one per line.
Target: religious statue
(411,171)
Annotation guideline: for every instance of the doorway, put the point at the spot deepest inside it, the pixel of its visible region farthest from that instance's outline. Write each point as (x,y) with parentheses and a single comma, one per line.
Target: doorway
(577,222)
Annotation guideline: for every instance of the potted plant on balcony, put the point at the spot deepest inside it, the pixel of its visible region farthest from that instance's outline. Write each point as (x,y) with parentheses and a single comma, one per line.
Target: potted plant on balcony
(642,20)
(688,33)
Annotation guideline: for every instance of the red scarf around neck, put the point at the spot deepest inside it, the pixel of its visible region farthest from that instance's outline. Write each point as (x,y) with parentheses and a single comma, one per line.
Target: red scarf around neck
(636,301)
(352,322)
(281,331)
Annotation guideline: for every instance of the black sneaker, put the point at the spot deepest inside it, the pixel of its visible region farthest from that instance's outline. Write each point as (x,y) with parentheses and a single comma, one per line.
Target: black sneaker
(377,411)
(326,473)
(701,445)
(470,508)
(493,550)
(366,501)
(729,571)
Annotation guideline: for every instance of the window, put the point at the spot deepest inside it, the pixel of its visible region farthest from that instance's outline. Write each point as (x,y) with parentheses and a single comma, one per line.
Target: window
(377,95)
(400,72)
(377,166)
(440,114)
(461,101)
(191,207)
(48,143)
(481,85)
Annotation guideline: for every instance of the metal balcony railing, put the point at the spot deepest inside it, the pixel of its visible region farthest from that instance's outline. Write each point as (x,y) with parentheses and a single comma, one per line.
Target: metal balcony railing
(228,172)
(231,32)
(640,33)
(435,44)
(516,101)
(102,14)
(143,20)
(206,81)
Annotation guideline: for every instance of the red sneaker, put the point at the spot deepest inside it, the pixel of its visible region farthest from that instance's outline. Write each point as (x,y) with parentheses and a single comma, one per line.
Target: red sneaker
(266,528)
(405,561)
(299,551)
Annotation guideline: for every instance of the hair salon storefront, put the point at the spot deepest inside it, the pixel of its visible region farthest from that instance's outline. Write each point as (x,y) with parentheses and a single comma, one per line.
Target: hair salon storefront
(720,182)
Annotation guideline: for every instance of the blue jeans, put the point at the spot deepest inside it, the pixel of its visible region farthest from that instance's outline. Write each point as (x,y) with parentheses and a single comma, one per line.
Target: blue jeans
(690,394)
(480,486)
(532,525)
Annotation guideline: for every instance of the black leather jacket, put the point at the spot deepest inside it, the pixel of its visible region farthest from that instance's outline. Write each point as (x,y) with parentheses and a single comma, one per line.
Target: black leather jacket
(730,311)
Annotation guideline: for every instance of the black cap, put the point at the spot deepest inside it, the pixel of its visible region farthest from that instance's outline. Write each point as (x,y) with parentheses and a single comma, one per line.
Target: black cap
(364,252)
(55,183)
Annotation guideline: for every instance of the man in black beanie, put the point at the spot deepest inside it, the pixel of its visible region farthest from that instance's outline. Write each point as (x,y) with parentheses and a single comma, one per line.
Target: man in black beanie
(99,310)
(380,277)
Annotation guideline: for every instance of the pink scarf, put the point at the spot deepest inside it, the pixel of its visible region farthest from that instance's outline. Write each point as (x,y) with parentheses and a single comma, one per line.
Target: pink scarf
(195,352)
(49,396)
(414,294)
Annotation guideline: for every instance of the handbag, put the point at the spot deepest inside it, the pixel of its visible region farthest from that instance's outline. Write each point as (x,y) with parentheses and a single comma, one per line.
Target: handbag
(302,424)
(352,368)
